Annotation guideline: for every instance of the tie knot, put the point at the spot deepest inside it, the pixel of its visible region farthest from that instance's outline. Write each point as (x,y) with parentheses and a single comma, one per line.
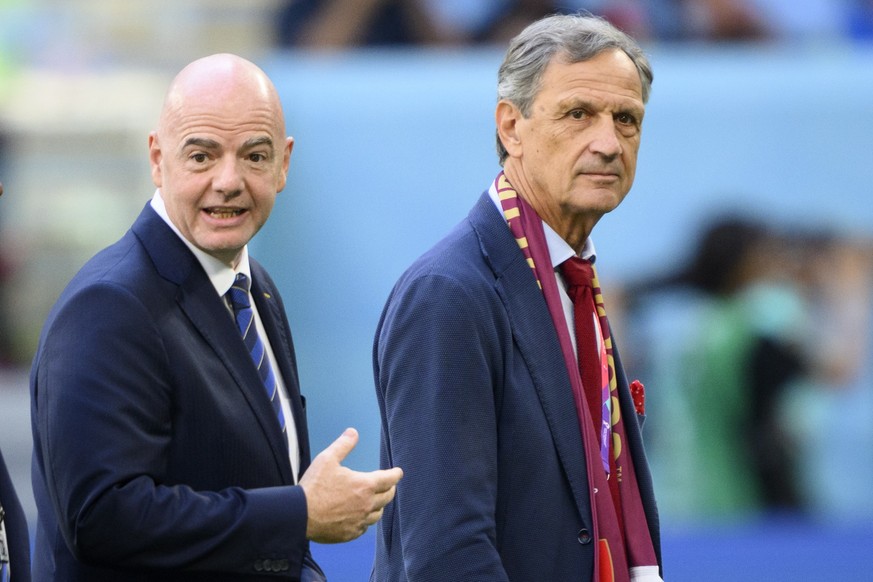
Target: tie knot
(242,281)
(578,272)
(239,293)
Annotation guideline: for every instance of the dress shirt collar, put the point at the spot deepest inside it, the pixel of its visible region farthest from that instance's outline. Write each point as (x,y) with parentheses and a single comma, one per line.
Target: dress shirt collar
(221,276)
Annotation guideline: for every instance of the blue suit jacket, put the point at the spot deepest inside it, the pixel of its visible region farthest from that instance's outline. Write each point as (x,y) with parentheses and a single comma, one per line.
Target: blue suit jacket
(157,455)
(17,538)
(478,410)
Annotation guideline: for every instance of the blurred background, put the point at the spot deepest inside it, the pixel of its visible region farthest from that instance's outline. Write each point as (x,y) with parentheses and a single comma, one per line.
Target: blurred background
(738,272)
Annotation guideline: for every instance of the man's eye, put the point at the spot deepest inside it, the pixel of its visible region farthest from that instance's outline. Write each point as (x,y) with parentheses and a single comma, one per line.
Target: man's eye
(257,157)
(199,158)
(577,114)
(626,119)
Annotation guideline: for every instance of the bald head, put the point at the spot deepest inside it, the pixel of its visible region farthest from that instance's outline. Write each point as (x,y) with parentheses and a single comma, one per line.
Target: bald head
(218,82)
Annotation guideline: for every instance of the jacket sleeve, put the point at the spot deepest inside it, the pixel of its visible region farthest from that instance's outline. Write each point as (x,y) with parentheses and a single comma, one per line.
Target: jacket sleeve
(103,421)
(437,368)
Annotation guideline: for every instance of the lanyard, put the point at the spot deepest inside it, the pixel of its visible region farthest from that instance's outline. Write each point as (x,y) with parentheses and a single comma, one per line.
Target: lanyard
(4,549)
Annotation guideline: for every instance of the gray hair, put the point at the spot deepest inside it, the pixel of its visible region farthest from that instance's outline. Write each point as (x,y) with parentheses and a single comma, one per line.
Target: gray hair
(576,38)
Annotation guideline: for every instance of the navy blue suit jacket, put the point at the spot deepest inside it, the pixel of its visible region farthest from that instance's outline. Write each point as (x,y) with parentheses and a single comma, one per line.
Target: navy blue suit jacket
(477,408)
(17,538)
(157,455)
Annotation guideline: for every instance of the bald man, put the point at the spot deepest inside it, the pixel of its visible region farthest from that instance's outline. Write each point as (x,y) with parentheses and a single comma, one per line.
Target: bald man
(170,438)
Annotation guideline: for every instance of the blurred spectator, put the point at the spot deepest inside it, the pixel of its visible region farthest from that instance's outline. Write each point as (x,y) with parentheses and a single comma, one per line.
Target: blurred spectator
(861,19)
(718,20)
(833,411)
(645,19)
(818,20)
(329,24)
(758,356)
(6,357)
(726,342)
(508,18)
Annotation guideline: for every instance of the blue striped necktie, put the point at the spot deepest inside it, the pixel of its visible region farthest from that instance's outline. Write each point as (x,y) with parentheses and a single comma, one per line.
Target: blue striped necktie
(245,320)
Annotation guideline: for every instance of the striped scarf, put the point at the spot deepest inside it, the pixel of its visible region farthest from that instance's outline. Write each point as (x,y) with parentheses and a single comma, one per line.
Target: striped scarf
(620,525)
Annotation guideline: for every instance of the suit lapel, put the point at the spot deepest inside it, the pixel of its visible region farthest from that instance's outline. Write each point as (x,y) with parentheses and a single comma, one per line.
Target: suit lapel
(275,324)
(207,312)
(537,340)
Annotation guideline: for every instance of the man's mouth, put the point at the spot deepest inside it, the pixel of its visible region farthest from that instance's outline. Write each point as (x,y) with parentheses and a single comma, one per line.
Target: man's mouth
(601,175)
(224,212)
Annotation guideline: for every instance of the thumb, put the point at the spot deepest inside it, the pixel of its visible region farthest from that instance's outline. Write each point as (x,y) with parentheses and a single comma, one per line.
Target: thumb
(341,447)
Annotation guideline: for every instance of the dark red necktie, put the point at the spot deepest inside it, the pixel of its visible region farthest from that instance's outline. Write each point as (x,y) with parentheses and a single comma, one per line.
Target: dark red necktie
(580,275)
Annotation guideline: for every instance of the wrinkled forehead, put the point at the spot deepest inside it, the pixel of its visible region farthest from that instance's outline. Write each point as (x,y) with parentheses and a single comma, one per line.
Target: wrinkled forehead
(224,115)
(621,61)
(610,70)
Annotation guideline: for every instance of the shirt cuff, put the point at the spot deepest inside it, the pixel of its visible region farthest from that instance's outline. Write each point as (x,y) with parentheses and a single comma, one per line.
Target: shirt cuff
(645,574)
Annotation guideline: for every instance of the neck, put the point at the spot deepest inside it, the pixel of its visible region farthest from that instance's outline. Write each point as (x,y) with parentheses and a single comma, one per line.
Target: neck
(573,228)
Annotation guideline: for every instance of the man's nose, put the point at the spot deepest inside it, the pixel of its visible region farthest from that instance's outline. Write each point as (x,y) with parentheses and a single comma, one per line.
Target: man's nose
(228,177)
(605,139)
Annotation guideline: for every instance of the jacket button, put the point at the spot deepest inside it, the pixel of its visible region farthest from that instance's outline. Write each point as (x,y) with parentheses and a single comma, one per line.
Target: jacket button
(259,566)
(584,537)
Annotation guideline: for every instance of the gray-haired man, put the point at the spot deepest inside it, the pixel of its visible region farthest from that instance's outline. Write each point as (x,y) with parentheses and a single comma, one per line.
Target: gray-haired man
(501,390)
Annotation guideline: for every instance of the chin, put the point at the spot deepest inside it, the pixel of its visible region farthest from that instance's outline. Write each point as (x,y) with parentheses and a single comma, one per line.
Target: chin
(601,202)
(225,252)
(609,201)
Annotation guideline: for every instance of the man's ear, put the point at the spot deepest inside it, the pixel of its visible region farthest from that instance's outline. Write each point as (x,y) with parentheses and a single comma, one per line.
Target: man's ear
(507,117)
(155,157)
(286,161)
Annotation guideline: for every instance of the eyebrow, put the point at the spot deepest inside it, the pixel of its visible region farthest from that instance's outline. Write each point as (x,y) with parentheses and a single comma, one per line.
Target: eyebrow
(202,142)
(211,144)
(575,102)
(258,141)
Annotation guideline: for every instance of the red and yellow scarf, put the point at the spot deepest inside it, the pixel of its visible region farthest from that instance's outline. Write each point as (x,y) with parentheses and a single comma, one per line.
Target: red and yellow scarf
(620,524)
